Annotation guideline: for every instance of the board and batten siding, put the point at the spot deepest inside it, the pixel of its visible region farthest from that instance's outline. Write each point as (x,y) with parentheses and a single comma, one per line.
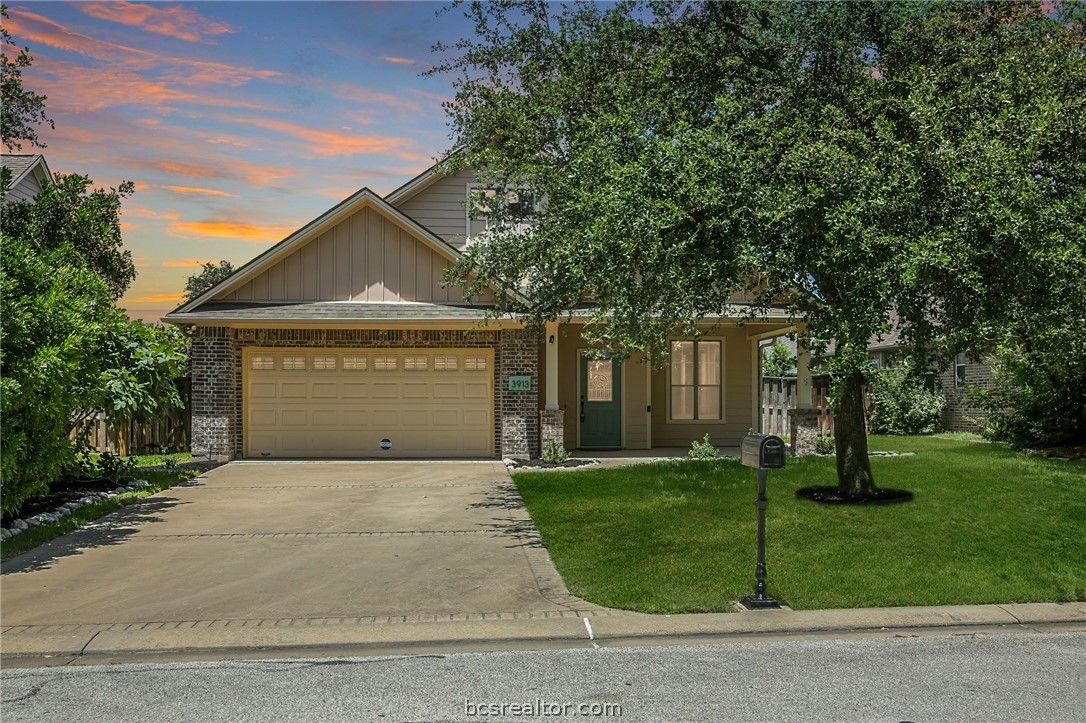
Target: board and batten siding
(365,257)
(441,207)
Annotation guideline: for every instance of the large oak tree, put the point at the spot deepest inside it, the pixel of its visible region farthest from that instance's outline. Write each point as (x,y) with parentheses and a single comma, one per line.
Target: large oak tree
(841,159)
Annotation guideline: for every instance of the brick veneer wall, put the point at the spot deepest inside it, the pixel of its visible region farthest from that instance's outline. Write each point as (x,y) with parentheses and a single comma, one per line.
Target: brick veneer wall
(217,413)
(962,413)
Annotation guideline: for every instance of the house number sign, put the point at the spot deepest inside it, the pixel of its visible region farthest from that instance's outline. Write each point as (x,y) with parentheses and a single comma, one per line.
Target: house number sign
(520,384)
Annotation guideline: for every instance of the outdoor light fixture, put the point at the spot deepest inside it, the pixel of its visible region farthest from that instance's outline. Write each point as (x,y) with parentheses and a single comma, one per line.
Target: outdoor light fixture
(550,339)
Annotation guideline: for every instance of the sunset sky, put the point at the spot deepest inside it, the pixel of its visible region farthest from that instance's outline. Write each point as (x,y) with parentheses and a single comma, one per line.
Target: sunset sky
(238,121)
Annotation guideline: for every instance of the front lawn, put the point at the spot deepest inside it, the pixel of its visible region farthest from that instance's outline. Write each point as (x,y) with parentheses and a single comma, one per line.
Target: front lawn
(987,525)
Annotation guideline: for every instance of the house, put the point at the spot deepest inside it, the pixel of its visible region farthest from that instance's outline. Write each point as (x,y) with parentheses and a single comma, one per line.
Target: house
(954,381)
(342,341)
(29,175)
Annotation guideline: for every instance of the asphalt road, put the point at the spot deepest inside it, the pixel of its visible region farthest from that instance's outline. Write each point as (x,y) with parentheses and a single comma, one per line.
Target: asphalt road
(1002,677)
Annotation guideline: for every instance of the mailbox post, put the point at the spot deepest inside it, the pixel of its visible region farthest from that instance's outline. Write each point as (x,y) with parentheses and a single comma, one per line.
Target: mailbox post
(763,452)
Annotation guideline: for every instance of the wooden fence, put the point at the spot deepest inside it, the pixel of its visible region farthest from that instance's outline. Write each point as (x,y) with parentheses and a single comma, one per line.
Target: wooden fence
(167,434)
(779,395)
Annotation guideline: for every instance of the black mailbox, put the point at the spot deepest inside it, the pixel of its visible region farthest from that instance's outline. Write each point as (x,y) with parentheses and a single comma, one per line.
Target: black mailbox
(762,451)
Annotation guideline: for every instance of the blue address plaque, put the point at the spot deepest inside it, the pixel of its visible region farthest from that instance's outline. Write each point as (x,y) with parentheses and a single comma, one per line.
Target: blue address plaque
(520,384)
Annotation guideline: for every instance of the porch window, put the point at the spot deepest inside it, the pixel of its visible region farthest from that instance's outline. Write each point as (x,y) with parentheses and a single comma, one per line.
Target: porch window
(695,392)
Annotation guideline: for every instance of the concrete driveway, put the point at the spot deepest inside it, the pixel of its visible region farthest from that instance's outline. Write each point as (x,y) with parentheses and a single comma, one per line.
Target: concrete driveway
(279,543)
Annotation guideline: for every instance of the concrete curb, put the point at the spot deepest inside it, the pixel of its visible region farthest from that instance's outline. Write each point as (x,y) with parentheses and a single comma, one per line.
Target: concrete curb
(568,629)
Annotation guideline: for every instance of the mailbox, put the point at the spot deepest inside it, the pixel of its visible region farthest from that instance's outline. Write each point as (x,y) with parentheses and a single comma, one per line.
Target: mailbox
(762,451)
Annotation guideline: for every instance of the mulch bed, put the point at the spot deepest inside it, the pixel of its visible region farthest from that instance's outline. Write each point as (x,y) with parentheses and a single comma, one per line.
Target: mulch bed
(832,496)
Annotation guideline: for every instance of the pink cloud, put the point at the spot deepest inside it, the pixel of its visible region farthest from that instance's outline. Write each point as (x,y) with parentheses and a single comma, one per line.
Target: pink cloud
(182,263)
(196,190)
(174,21)
(333,143)
(394,59)
(231,229)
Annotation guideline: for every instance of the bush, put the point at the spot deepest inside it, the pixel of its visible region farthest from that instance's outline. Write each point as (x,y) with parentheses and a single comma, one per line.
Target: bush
(703,449)
(115,467)
(825,445)
(901,405)
(555,454)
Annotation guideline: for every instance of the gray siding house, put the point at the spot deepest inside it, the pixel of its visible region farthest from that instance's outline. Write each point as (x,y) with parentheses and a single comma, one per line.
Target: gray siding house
(29,175)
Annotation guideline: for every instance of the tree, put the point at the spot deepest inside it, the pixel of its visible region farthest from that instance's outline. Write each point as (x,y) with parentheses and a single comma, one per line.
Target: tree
(840,159)
(21,110)
(210,275)
(68,214)
(778,360)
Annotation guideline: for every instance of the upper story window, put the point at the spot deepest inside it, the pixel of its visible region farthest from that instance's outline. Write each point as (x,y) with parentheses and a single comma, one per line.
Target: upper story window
(695,387)
(482,202)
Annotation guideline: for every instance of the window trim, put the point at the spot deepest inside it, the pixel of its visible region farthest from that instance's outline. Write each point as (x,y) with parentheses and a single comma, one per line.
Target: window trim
(723,396)
(959,382)
(472,187)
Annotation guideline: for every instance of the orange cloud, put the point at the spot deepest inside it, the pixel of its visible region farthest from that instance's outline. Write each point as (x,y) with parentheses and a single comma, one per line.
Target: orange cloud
(394,59)
(226,168)
(199,191)
(367,96)
(332,143)
(172,297)
(143,212)
(174,21)
(182,263)
(241,230)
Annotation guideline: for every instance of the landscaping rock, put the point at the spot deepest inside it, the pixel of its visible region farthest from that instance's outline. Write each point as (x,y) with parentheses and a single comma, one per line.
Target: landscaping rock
(13,532)
(4,533)
(19,525)
(140,483)
(33,522)
(118,490)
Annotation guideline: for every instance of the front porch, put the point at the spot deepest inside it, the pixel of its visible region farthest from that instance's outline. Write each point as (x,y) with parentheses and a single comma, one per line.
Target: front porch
(711,385)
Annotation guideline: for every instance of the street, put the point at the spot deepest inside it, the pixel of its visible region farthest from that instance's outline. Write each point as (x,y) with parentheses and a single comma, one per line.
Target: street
(985,677)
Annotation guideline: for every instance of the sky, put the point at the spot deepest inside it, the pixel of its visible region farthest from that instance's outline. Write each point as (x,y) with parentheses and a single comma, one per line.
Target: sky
(239,122)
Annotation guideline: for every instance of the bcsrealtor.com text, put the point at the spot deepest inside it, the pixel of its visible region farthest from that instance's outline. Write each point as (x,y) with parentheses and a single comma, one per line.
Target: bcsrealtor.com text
(540,709)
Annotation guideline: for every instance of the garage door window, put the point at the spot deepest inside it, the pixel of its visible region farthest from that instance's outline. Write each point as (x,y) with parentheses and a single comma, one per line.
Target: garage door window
(384,363)
(475,363)
(324,362)
(445,363)
(294,362)
(414,363)
(263,362)
(354,362)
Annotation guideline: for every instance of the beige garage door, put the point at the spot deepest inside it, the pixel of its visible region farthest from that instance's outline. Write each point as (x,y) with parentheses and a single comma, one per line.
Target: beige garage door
(369,403)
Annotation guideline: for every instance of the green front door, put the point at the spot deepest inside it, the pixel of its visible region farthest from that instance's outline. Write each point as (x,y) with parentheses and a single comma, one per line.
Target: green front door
(601,403)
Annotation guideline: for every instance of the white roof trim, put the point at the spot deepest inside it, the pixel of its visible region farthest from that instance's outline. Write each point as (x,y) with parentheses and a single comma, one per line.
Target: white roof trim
(311,230)
(38,165)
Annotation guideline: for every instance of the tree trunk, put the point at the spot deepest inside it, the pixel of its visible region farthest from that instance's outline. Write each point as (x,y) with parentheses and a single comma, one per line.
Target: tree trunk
(850,438)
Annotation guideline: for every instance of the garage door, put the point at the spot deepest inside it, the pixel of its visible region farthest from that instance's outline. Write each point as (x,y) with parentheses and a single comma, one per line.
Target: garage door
(369,403)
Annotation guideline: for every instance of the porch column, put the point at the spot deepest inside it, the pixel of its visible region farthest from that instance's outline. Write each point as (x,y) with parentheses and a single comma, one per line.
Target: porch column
(803,420)
(551,417)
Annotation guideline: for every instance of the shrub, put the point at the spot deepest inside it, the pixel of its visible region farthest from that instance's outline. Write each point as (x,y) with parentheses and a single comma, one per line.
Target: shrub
(115,467)
(703,449)
(825,445)
(901,405)
(171,463)
(555,454)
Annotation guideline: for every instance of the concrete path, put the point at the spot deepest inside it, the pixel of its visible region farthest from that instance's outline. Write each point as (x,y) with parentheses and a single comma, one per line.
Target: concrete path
(289,545)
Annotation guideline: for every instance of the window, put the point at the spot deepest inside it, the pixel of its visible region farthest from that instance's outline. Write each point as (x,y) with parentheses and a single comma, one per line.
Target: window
(324,362)
(959,370)
(294,362)
(474,363)
(695,380)
(600,380)
(384,363)
(481,202)
(262,362)
(414,363)
(354,362)
(445,363)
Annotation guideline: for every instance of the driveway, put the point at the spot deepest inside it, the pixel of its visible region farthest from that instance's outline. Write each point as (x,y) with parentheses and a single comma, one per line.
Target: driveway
(284,542)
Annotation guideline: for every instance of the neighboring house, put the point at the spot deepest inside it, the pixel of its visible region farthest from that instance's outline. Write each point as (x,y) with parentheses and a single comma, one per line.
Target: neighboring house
(342,341)
(29,175)
(962,413)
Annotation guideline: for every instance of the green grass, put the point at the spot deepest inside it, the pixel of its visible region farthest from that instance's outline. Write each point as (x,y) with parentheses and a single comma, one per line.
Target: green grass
(987,525)
(41,534)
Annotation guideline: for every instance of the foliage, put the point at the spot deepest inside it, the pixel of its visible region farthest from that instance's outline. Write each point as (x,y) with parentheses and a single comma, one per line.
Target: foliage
(555,453)
(69,215)
(21,110)
(702,449)
(1040,396)
(824,445)
(211,274)
(115,467)
(900,403)
(172,463)
(52,316)
(840,159)
(140,365)
(778,360)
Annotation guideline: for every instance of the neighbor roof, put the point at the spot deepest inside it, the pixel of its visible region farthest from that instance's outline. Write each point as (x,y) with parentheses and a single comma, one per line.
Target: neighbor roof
(23,164)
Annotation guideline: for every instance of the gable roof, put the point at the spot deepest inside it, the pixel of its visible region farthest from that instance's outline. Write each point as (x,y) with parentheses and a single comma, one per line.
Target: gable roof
(24,164)
(364,198)
(421,182)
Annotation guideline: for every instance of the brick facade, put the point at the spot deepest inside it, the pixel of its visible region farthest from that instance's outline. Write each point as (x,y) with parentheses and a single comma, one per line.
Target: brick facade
(962,413)
(552,428)
(217,413)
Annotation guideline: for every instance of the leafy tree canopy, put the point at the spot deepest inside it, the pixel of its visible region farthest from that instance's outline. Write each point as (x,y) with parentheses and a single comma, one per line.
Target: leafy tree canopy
(778,360)
(839,159)
(209,275)
(21,111)
(69,214)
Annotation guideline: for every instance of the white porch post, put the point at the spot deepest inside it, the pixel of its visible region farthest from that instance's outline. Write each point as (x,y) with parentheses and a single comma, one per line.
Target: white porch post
(552,366)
